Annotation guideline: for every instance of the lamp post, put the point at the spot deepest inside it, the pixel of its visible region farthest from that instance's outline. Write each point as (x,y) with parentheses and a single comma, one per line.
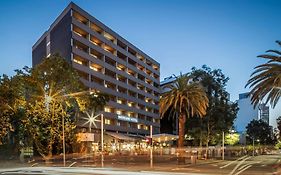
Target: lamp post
(223,145)
(253,146)
(91,120)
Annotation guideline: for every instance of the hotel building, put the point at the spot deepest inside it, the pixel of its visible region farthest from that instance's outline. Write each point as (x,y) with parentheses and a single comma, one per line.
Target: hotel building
(107,63)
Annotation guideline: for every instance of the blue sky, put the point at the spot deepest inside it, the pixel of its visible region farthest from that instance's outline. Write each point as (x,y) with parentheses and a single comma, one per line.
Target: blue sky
(179,34)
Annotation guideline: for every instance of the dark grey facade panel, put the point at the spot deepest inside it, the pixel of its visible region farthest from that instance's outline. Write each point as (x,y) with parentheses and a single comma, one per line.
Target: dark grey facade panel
(39,52)
(60,37)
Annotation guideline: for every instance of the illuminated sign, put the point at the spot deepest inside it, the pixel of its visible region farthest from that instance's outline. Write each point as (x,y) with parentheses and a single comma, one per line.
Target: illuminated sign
(127,119)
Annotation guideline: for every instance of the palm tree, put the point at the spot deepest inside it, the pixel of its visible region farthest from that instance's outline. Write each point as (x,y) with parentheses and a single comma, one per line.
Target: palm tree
(185,98)
(265,81)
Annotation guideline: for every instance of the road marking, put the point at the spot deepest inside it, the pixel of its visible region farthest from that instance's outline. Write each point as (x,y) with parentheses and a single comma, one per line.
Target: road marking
(235,168)
(249,166)
(234,161)
(72,164)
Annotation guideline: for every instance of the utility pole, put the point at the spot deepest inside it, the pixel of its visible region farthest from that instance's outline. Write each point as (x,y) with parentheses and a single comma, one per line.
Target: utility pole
(151,147)
(223,145)
(102,140)
(253,146)
(63,141)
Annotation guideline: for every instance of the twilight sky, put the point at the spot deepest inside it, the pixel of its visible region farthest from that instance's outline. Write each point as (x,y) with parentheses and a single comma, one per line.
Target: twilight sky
(179,34)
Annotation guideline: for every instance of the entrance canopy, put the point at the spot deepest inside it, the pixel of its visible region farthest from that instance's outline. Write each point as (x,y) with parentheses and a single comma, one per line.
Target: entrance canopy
(120,136)
(164,137)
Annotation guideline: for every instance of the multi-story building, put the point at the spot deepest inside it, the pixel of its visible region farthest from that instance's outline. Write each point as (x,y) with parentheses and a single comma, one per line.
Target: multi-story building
(246,112)
(264,113)
(107,63)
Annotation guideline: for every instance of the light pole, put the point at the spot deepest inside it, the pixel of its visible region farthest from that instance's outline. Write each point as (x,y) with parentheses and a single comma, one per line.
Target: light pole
(63,141)
(253,146)
(91,119)
(223,145)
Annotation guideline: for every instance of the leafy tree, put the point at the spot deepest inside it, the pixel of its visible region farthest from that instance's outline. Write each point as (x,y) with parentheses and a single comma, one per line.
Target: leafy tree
(221,112)
(11,106)
(265,81)
(185,98)
(232,138)
(38,103)
(260,130)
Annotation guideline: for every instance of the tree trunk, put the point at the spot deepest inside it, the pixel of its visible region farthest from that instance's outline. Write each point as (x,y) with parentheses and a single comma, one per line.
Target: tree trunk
(182,119)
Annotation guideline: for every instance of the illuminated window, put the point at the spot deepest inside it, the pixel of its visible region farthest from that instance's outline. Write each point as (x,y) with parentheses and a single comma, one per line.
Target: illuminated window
(118,112)
(139,126)
(106,109)
(119,101)
(107,121)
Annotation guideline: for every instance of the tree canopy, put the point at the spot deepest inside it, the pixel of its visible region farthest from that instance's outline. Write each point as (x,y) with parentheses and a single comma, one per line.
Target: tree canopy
(260,131)
(265,81)
(49,96)
(221,112)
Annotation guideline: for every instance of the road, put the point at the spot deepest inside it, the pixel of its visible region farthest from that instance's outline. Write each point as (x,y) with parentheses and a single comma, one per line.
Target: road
(246,165)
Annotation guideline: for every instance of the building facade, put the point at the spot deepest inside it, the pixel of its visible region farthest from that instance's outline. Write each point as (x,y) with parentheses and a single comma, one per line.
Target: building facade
(107,63)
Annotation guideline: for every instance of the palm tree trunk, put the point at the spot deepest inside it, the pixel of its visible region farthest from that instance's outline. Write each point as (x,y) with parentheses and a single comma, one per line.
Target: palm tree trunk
(182,119)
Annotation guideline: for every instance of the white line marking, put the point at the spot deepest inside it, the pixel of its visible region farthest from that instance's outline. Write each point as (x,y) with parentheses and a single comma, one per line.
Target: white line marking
(243,170)
(235,168)
(233,161)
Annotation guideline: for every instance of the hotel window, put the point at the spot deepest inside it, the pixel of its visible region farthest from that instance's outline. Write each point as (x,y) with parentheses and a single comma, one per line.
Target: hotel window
(119,112)
(107,122)
(139,126)
(106,109)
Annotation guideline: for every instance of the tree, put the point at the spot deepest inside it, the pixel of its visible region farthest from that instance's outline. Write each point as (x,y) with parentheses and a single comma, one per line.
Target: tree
(265,81)
(221,112)
(54,95)
(186,98)
(259,130)
(11,106)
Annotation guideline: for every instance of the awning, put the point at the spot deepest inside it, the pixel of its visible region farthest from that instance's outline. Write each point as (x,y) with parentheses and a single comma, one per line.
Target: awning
(164,137)
(120,136)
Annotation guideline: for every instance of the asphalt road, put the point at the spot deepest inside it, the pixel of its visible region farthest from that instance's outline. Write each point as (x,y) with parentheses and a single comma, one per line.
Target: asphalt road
(246,165)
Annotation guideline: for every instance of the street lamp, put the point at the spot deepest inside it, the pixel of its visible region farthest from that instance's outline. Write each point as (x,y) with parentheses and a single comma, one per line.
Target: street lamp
(91,120)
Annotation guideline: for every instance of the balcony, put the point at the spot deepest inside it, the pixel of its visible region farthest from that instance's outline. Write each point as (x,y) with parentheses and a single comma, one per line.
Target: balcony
(96,28)
(155,67)
(80,46)
(110,85)
(122,45)
(96,67)
(80,32)
(109,73)
(109,37)
(121,56)
(96,54)
(95,41)
(79,60)
(121,78)
(121,67)
(131,72)
(80,18)
(131,51)
(110,61)
(97,80)
(109,49)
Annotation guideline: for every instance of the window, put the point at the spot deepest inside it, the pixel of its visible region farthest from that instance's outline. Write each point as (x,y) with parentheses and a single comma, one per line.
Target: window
(107,122)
